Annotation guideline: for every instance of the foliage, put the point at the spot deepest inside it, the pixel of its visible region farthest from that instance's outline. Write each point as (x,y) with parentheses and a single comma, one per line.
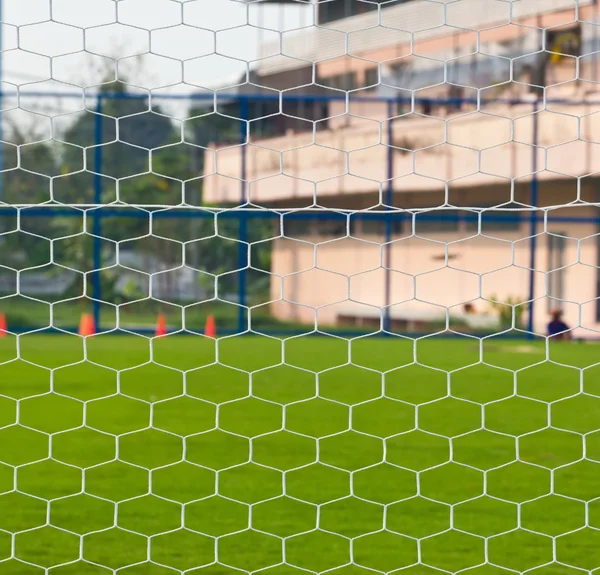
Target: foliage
(134,136)
(510,307)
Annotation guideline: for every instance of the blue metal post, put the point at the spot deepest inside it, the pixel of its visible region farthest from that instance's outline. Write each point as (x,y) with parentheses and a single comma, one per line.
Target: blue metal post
(389,199)
(533,220)
(97,223)
(243,235)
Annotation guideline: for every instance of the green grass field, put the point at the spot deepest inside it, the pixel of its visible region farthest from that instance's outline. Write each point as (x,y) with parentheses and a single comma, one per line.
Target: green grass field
(156,458)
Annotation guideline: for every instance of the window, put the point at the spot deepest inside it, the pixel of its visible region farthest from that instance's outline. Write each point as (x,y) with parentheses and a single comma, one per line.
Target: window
(338,9)
(437,221)
(295,228)
(373,227)
(495,220)
(372,78)
(331,228)
(398,67)
(331,10)
(366,226)
(562,43)
(399,73)
(346,81)
(306,226)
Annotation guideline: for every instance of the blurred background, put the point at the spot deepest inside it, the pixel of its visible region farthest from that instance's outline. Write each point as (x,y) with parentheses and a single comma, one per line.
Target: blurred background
(354,165)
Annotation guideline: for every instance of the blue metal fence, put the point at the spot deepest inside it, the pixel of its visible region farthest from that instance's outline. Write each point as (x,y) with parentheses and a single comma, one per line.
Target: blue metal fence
(243,212)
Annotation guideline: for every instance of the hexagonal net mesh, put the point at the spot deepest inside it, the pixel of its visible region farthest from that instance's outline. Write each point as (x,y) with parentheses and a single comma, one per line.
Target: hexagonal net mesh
(299,287)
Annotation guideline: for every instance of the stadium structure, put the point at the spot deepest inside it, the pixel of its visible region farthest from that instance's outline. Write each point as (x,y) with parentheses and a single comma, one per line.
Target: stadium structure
(488,110)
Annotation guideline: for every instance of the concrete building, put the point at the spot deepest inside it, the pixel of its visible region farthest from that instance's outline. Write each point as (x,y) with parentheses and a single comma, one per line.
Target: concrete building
(478,83)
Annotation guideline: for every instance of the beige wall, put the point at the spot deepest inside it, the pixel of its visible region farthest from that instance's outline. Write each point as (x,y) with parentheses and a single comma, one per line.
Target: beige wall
(476,160)
(470,149)
(326,277)
(471,157)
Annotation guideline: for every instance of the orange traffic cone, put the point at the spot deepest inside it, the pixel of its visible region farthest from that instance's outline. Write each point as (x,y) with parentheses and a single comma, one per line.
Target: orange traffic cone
(210,330)
(86,325)
(161,325)
(3,325)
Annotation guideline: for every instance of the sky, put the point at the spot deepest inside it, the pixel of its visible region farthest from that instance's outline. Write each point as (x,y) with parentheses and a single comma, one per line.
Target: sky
(170,45)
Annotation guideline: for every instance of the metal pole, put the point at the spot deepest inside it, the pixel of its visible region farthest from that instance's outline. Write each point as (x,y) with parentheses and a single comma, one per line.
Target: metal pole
(389,198)
(597,198)
(243,235)
(533,219)
(595,45)
(97,224)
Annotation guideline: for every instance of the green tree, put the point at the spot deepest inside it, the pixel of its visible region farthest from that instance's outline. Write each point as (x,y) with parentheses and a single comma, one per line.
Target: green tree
(29,166)
(145,161)
(127,131)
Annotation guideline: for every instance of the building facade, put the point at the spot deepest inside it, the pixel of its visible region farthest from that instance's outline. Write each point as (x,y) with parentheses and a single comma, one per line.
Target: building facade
(474,121)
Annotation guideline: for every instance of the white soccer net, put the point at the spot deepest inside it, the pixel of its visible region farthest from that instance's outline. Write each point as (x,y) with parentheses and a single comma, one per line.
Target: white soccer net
(299,287)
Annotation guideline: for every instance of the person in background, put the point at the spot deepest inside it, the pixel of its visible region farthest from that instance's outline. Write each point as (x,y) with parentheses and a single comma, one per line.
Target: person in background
(557,328)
